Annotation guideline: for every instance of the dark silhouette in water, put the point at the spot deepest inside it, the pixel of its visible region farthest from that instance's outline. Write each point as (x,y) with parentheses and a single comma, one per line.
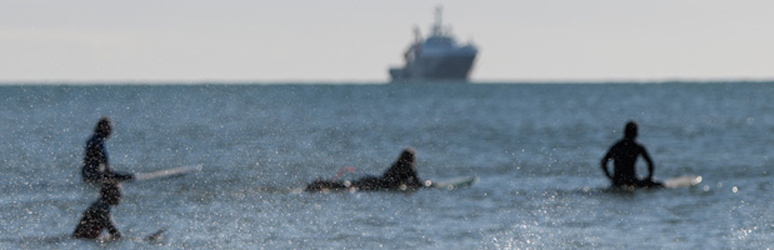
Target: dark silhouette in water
(96,168)
(402,175)
(624,154)
(98,217)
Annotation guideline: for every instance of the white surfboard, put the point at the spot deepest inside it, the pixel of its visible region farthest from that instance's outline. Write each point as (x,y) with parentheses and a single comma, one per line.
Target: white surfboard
(682,181)
(171,172)
(456,182)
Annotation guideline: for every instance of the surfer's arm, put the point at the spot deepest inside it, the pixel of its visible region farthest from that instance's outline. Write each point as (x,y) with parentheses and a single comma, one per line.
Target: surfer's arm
(603,164)
(415,181)
(97,151)
(646,156)
(110,225)
(113,231)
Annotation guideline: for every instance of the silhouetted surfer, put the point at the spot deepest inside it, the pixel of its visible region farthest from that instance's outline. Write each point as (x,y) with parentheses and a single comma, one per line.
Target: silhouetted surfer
(402,175)
(96,168)
(97,217)
(624,154)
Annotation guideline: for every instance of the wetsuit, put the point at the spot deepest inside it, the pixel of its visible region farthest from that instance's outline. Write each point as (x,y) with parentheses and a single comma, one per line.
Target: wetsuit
(95,163)
(624,154)
(96,219)
(402,175)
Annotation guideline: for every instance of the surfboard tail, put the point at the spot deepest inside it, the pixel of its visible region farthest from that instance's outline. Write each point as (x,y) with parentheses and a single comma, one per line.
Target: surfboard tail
(683,181)
(456,182)
(171,172)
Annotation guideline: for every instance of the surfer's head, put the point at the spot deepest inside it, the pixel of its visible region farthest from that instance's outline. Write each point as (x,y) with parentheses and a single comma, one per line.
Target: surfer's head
(630,132)
(111,192)
(408,156)
(104,127)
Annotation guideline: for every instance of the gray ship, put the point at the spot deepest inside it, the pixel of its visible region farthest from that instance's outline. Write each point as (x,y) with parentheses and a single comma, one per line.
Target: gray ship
(439,57)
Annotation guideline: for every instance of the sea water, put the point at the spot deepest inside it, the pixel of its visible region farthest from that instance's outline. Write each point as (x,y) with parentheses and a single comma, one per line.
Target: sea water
(535,147)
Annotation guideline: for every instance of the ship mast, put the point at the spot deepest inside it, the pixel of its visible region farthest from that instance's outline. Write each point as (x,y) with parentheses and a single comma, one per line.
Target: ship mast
(437,26)
(417,35)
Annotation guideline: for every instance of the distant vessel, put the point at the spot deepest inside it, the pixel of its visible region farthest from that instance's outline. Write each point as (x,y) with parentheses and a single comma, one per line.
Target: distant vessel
(437,58)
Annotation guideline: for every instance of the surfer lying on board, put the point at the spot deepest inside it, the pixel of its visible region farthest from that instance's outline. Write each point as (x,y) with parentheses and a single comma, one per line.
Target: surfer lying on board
(402,175)
(96,168)
(98,217)
(624,154)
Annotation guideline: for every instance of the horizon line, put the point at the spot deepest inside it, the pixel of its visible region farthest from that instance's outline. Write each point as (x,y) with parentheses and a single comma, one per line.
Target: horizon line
(369,82)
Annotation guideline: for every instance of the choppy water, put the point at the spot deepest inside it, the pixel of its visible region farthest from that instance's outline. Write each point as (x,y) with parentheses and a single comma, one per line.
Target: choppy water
(536,149)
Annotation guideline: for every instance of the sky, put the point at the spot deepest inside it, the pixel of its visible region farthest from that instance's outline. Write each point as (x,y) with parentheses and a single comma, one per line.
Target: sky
(357,41)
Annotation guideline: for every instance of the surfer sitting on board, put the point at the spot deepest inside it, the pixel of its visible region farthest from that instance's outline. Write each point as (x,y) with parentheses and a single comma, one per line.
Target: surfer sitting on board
(95,163)
(402,175)
(98,217)
(624,154)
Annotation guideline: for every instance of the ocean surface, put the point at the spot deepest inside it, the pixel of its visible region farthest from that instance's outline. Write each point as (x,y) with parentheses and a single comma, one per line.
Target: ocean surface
(536,149)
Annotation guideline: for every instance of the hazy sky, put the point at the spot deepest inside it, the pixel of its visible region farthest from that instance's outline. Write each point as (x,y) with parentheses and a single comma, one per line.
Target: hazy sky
(351,41)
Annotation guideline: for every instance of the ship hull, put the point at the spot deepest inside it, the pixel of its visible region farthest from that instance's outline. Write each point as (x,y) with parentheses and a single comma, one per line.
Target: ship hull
(448,67)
